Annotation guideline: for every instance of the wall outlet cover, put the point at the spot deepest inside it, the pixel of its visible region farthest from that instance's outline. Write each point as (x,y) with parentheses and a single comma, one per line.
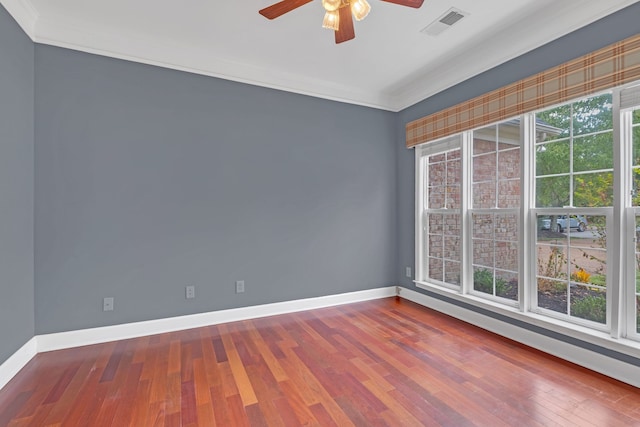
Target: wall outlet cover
(239,286)
(190,292)
(107,304)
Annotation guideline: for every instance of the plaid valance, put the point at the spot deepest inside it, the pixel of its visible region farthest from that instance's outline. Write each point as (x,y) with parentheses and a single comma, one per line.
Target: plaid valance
(606,68)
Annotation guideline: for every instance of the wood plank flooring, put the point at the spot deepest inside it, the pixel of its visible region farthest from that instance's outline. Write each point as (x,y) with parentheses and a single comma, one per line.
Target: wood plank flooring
(387,362)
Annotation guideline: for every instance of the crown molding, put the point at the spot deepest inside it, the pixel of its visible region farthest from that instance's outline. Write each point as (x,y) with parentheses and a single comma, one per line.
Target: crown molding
(464,63)
(24,13)
(121,44)
(468,62)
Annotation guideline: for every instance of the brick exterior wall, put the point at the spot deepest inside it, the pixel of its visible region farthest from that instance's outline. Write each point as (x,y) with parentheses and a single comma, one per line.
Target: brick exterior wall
(496,184)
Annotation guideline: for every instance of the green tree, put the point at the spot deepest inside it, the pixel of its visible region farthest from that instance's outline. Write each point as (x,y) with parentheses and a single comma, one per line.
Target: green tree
(636,158)
(582,141)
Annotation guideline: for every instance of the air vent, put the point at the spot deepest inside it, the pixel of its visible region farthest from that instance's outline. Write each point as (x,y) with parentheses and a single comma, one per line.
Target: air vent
(451,18)
(445,21)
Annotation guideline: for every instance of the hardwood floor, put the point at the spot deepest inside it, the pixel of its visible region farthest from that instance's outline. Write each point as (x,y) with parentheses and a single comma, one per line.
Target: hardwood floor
(387,362)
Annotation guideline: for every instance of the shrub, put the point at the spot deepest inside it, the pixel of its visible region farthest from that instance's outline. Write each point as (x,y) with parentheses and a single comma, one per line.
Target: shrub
(483,282)
(551,286)
(555,264)
(591,308)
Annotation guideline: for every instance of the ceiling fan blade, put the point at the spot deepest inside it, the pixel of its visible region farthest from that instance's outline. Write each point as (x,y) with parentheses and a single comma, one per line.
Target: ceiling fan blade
(345,31)
(409,3)
(282,7)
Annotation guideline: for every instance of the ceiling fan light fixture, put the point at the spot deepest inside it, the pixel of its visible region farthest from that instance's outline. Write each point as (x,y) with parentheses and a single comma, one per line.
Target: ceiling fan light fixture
(331,5)
(331,20)
(339,14)
(360,9)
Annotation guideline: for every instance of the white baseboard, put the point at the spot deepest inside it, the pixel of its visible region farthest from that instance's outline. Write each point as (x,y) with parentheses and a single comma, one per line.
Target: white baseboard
(61,340)
(17,361)
(611,367)
(608,366)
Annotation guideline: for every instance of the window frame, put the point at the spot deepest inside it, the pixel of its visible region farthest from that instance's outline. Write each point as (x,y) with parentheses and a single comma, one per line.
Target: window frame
(629,100)
(621,309)
(441,146)
(571,209)
(495,210)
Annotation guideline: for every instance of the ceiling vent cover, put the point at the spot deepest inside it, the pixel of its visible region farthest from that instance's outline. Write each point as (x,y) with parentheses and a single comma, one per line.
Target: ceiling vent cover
(445,21)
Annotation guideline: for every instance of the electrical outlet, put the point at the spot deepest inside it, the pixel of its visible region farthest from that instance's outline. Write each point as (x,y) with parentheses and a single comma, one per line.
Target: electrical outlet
(190,292)
(407,271)
(239,286)
(107,304)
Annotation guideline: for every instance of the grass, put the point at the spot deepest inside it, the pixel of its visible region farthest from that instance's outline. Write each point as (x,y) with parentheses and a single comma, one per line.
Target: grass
(591,308)
(598,279)
(601,280)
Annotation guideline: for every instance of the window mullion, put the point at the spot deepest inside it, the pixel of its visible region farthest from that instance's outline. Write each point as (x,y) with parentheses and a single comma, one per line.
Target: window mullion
(615,249)
(571,189)
(466,189)
(527,282)
(419,263)
(628,270)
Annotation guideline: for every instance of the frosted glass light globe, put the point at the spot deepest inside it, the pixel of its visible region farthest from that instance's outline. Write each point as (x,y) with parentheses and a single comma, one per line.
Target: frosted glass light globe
(331,5)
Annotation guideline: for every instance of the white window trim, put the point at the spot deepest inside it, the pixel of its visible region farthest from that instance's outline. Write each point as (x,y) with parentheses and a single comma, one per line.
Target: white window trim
(629,99)
(445,144)
(619,266)
(582,333)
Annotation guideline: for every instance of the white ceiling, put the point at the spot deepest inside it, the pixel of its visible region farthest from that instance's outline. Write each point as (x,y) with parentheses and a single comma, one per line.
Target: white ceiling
(390,64)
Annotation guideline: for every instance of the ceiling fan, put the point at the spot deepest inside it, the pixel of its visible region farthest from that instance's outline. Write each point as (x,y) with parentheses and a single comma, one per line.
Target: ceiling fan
(339,13)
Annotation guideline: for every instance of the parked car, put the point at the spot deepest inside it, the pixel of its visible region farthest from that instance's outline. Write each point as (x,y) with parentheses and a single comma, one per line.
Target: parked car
(577,222)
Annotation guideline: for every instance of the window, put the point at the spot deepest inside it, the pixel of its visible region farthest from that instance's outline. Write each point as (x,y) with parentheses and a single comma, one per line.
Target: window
(495,209)
(573,199)
(441,208)
(631,122)
(533,214)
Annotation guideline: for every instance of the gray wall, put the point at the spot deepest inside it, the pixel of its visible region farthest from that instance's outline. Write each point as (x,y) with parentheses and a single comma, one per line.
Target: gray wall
(608,30)
(16,187)
(148,180)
